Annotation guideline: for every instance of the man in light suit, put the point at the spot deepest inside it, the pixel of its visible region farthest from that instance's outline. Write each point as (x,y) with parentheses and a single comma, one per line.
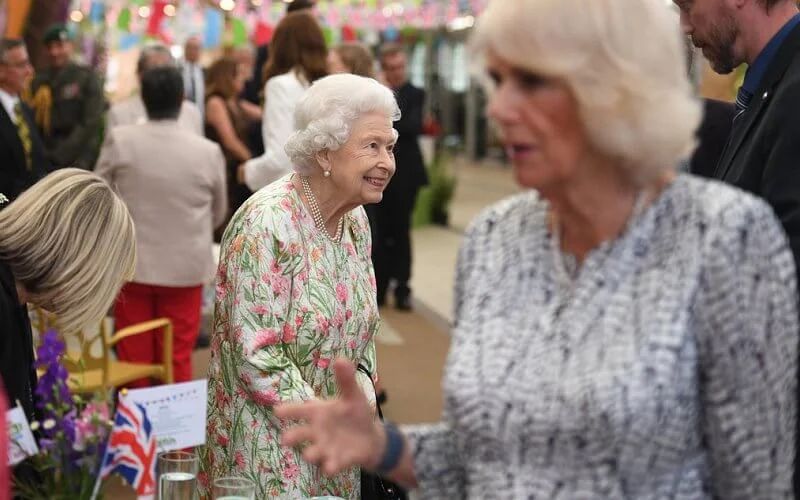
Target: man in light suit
(131,110)
(173,182)
(22,157)
(762,154)
(193,74)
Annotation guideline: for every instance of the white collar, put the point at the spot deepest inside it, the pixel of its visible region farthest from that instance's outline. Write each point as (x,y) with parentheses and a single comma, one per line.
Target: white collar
(8,101)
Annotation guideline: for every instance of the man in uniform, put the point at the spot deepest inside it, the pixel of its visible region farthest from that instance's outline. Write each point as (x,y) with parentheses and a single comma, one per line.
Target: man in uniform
(69,105)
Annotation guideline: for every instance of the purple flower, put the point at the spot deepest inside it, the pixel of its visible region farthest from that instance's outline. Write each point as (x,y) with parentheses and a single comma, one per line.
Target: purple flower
(68,426)
(51,350)
(72,433)
(54,398)
(47,444)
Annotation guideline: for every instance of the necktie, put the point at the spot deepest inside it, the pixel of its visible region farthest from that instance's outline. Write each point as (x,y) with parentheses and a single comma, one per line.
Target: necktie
(24,133)
(192,85)
(743,98)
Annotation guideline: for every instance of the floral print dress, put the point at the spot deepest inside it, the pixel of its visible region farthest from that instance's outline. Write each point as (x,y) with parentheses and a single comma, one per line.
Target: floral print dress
(288,302)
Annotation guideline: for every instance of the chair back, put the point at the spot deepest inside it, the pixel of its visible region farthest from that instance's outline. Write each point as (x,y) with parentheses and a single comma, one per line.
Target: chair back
(89,358)
(86,349)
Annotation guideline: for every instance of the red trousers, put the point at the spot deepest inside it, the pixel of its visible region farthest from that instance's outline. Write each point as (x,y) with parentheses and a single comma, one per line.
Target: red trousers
(138,303)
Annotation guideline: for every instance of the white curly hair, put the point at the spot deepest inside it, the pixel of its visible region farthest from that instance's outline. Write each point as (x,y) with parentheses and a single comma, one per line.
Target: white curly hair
(324,116)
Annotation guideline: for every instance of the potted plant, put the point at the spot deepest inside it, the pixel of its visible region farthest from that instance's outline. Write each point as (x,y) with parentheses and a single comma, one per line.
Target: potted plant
(442,187)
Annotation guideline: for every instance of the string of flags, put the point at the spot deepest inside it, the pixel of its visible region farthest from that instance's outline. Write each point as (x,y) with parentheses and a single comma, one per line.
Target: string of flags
(239,22)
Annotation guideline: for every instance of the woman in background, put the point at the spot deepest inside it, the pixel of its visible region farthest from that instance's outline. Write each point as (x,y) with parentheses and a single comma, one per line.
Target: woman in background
(297,58)
(227,118)
(352,57)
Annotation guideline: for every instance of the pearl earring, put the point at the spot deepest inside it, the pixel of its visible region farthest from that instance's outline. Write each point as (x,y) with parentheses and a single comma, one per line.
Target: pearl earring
(326,173)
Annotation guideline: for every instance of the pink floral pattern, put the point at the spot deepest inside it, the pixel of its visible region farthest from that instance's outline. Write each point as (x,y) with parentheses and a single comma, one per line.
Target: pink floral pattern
(288,302)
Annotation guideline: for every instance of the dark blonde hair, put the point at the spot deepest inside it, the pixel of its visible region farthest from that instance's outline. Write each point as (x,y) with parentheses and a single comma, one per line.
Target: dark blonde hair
(69,240)
(222,77)
(390,49)
(298,43)
(358,59)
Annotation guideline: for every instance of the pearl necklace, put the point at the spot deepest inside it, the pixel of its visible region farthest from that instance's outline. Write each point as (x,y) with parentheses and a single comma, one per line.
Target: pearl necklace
(316,214)
(564,276)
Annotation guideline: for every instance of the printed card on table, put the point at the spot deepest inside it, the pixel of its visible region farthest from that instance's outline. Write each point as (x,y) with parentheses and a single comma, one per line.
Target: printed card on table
(177,413)
(21,444)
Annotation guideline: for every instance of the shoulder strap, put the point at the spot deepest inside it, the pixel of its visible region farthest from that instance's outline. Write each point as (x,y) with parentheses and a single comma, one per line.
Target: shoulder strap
(363,369)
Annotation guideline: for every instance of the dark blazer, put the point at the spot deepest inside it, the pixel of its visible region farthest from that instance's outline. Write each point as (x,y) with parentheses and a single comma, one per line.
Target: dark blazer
(411,172)
(763,153)
(14,174)
(712,136)
(16,346)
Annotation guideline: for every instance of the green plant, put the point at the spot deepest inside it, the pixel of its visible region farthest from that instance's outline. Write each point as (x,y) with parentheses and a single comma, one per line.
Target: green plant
(433,202)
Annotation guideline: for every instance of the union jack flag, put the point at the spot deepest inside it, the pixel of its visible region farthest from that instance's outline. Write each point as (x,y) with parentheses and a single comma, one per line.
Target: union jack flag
(131,450)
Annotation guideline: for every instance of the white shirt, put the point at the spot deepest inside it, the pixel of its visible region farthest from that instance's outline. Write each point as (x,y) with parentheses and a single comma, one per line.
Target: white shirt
(194,72)
(281,95)
(9,101)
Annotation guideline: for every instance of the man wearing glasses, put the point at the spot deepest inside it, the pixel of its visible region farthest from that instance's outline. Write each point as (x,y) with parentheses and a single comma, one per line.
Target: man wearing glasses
(22,159)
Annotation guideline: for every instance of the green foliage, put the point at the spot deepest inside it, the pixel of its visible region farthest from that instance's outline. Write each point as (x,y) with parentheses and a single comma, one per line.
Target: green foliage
(433,202)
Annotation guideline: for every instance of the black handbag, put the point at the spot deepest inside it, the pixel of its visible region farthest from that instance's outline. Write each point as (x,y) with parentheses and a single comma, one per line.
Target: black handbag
(373,486)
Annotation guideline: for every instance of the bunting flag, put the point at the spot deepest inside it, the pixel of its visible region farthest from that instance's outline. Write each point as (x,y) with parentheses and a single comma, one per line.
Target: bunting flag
(157,15)
(255,23)
(97,12)
(214,24)
(238,32)
(349,34)
(263,33)
(124,20)
(16,16)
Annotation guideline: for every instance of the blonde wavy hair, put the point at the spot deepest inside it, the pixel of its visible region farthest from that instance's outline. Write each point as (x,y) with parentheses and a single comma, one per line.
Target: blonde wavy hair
(625,62)
(69,241)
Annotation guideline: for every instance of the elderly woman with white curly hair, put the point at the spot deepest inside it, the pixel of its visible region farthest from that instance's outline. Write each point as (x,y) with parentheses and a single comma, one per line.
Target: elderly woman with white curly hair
(621,331)
(296,289)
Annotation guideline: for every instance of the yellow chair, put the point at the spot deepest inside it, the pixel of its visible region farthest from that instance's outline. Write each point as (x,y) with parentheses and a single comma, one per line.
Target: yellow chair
(89,373)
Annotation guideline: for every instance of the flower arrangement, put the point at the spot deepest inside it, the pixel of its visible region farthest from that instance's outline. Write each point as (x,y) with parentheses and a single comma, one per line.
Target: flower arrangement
(71,432)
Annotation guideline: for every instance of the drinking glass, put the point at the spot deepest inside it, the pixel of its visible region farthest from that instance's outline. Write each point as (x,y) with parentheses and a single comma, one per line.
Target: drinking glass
(234,488)
(177,475)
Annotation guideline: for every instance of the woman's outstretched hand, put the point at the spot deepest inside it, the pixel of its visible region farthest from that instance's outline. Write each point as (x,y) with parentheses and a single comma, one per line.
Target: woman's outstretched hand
(339,433)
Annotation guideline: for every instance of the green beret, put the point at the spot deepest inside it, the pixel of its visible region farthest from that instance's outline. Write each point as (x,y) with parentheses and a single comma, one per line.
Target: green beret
(57,33)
